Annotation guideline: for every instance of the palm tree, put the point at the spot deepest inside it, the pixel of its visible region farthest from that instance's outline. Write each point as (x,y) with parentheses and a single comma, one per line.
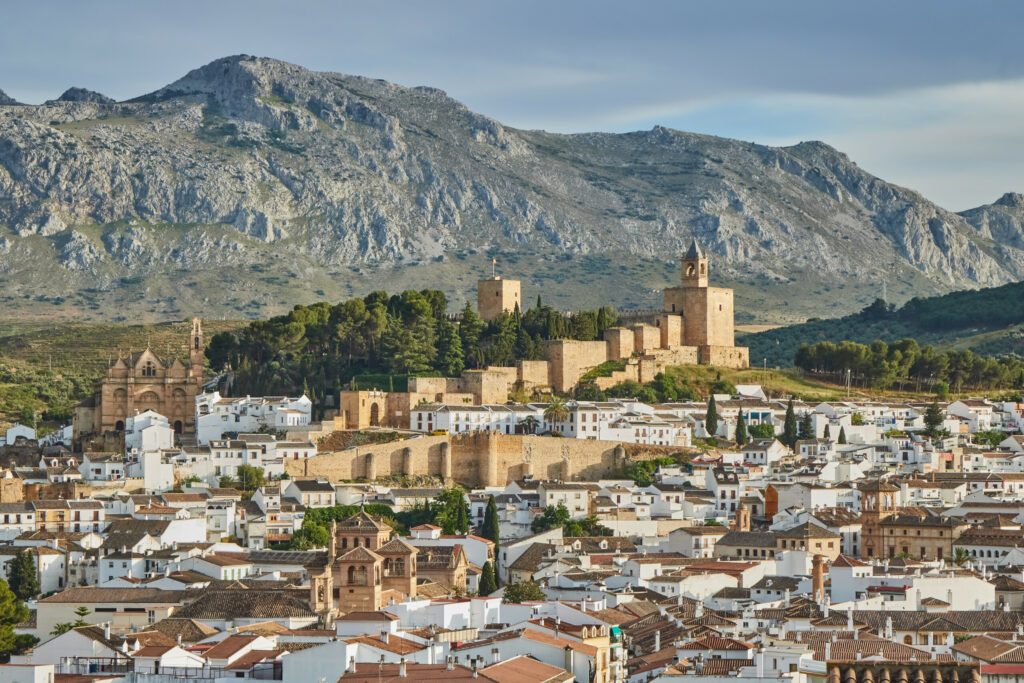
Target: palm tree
(530,424)
(960,557)
(557,411)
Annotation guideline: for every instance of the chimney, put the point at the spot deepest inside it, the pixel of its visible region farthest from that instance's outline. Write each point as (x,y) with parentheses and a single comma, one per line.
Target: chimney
(818,578)
(657,640)
(760,662)
(384,637)
(402,673)
(828,650)
(179,640)
(568,660)
(449,663)
(106,630)
(495,655)
(351,665)
(785,599)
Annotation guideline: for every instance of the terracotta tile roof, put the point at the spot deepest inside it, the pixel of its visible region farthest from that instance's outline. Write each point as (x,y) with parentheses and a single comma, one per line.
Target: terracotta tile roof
(395,644)
(229,646)
(523,669)
(91,595)
(246,604)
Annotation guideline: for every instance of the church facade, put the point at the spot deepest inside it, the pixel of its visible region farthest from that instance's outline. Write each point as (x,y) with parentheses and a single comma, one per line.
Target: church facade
(141,381)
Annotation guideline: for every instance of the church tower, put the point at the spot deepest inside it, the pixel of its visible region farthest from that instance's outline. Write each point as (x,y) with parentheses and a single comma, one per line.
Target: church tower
(196,349)
(695,267)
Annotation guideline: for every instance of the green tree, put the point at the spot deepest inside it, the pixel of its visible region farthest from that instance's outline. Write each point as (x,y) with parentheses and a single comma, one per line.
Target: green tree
(765,430)
(711,417)
(450,360)
(827,433)
(960,556)
(556,411)
(842,436)
(250,478)
(552,517)
(451,511)
(934,417)
(22,576)
(12,613)
(525,591)
(81,612)
(488,582)
(490,527)
(789,428)
(741,429)
(806,429)
(311,536)
(471,327)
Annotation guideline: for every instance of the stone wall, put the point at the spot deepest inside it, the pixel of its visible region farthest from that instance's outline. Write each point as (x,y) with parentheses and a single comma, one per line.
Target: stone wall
(671,328)
(569,359)
(725,356)
(534,374)
(495,296)
(620,342)
(480,459)
(646,337)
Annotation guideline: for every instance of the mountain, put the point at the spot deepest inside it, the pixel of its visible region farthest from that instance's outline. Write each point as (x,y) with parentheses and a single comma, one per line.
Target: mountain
(251,184)
(82,95)
(989,321)
(6,99)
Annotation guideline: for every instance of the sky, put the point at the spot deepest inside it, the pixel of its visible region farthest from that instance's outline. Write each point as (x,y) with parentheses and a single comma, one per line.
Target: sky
(925,94)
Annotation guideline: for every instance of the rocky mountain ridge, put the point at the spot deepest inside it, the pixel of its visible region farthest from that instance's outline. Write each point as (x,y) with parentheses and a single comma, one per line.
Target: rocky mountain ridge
(255,175)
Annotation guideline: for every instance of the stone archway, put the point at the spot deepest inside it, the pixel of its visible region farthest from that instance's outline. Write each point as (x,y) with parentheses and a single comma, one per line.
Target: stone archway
(374,415)
(179,427)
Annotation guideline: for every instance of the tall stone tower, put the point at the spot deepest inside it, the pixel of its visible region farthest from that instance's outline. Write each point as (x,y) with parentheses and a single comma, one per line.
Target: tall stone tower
(878,502)
(495,296)
(707,311)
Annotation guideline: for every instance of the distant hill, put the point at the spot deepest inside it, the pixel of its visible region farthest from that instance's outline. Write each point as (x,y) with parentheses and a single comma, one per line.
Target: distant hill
(250,185)
(988,321)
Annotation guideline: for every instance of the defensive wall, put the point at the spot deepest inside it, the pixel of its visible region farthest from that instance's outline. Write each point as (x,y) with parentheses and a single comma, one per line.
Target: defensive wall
(478,459)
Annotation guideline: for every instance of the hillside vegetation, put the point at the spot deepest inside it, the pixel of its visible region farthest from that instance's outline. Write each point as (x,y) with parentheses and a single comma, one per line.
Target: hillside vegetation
(987,321)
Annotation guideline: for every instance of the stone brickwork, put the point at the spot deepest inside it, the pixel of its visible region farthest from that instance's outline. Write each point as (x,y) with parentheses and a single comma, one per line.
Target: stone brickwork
(671,328)
(646,337)
(495,296)
(620,341)
(479,459)
(569,359)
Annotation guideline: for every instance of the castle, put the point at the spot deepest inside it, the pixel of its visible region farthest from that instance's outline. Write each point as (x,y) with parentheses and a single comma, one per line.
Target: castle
(695,326)
(141,381)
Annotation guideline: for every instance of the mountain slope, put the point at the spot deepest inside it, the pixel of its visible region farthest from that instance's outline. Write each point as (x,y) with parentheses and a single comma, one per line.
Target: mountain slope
(989,321)
(251,184)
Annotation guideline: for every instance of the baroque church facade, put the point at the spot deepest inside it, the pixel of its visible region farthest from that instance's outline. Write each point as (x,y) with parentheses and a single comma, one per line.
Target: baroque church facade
(140,381)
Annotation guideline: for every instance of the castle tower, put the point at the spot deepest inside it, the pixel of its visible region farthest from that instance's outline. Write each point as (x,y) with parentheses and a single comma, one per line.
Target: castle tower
(495,296)
(695,267)
(196,349)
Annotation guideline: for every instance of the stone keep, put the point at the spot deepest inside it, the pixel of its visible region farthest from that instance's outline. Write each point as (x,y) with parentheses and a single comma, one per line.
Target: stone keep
(707,311)
(495,296)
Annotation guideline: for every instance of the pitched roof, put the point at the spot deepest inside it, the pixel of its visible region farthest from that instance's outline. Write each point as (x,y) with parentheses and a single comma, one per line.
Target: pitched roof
(246,604)
(91,595)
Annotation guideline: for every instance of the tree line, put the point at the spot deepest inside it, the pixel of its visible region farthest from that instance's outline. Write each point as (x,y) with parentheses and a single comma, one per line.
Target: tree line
(907,365)
(321,347)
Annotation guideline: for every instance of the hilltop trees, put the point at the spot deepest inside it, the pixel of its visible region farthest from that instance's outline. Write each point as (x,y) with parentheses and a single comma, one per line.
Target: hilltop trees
(323,347)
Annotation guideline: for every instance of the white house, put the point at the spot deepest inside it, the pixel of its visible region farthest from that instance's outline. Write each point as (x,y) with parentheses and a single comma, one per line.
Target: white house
(218,415)
(147,431)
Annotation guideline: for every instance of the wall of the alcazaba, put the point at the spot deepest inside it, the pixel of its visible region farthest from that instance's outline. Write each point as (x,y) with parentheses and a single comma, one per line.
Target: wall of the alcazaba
(570,359)
(534,373)
(737,357)
(620,342)
(646,337)
(434,385)
(673,300)
(720,329)
(695,307)
(480,459)
(490,385)
(671,328)
(631,373)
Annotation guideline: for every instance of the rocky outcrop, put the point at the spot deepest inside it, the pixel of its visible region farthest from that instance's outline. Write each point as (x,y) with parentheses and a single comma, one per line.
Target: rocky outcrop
(7,99)
(83,95)
(1002,222)
(247,158)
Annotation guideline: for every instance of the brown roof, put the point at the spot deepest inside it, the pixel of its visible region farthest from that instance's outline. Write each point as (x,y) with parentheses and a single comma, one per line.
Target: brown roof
(389,673)
(91,595)
(229,646)
(395,644)
(523,669)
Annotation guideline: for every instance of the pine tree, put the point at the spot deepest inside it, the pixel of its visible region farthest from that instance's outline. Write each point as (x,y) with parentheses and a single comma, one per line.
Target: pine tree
(934,416)
(12,612)
(490,527)
(711,418)
(842,436)
(789,433)
(741,429)
(450,359)
(22,576)
(488,582)
(463,514)
(470,330)
(827,434)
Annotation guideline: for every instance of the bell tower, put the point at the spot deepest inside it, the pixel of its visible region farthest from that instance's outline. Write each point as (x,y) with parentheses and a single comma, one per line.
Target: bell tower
(695,267)
(196,349)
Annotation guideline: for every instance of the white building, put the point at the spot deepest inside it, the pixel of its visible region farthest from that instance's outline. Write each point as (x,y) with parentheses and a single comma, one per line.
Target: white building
(217,415)
(147,431)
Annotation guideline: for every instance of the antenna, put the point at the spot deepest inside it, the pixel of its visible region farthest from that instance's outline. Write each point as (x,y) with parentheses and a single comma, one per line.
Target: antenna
(494,265)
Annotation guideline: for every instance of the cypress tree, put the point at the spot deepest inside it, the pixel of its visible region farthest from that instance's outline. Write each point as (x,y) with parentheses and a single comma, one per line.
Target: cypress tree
(711,418)
(463,512)
(741,429)
(22,576)
(488,582)
(806,426)
(827,434)
(789,433)
(490,528)
(842,435)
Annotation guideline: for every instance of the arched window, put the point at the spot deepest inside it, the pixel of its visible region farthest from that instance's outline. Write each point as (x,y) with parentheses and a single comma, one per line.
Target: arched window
(149,369)
(908,640)
(351,576)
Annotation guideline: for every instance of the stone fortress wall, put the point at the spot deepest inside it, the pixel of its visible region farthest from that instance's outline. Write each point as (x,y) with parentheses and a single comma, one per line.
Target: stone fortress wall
(478,459)
(695,327)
